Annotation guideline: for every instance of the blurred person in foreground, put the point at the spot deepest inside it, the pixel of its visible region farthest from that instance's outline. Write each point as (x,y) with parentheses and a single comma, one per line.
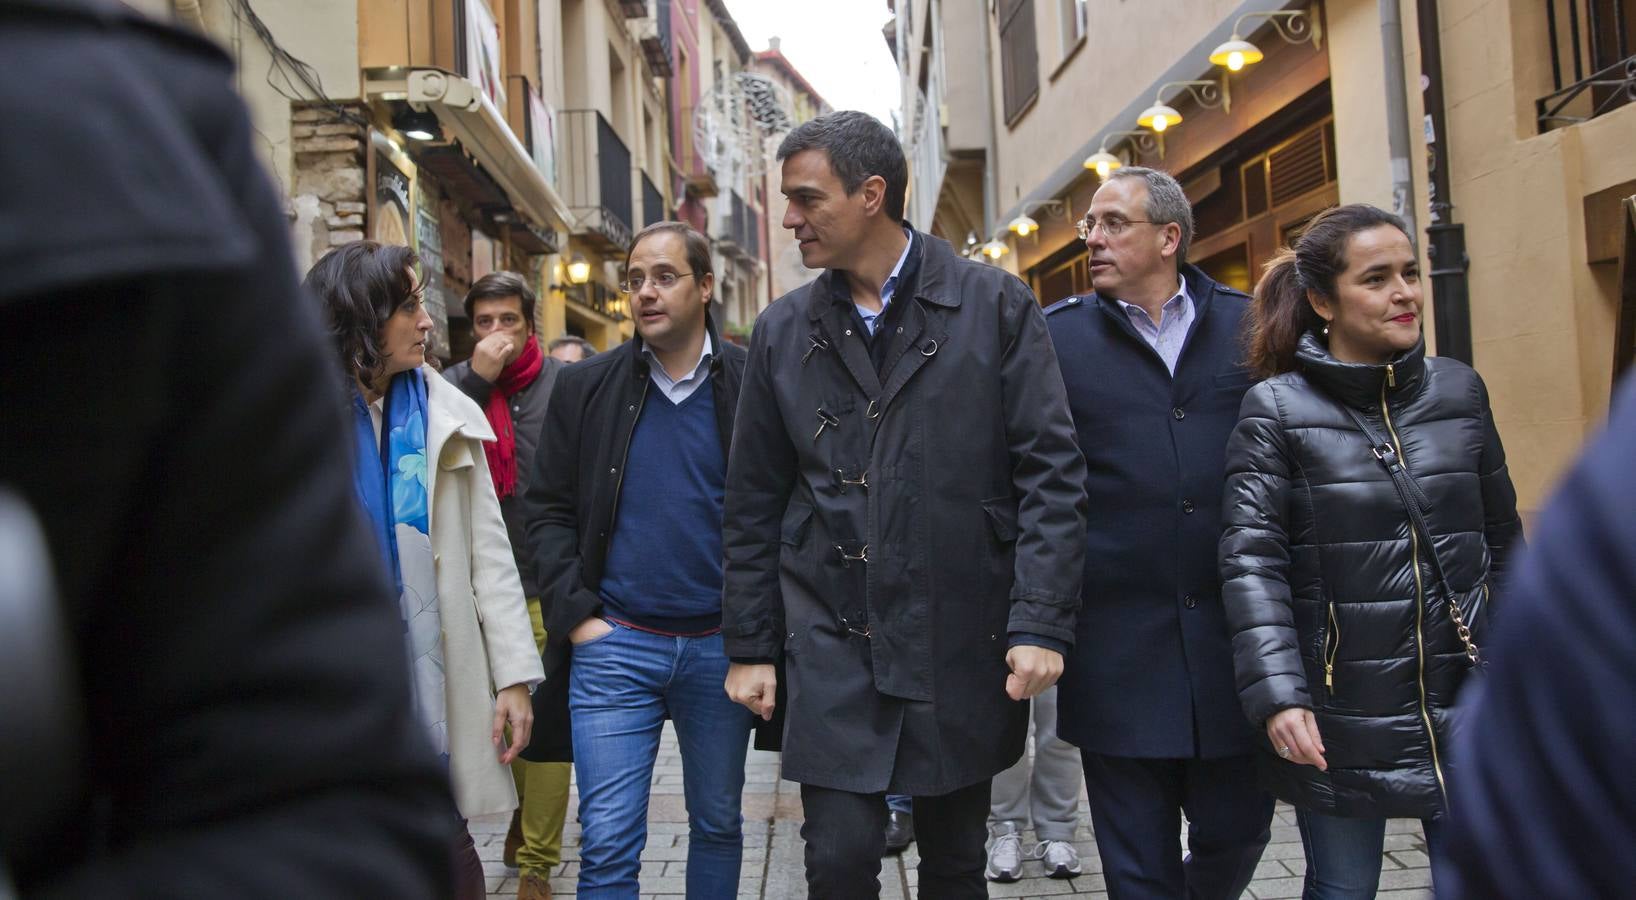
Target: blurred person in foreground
(167,404)
(422,475)
(1545,805)
(1368,510)
(511,380)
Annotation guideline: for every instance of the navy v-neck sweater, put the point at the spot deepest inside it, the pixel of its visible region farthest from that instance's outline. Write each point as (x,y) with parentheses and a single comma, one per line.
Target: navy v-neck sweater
(664,557)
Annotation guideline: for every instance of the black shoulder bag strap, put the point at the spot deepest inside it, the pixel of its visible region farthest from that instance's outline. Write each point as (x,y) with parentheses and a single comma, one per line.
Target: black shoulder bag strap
(1415,504)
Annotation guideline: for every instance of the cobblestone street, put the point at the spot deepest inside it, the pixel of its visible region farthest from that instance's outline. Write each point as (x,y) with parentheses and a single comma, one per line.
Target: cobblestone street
(772,849)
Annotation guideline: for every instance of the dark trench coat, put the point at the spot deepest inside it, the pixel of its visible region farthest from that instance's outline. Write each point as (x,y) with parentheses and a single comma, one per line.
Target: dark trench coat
(956,473)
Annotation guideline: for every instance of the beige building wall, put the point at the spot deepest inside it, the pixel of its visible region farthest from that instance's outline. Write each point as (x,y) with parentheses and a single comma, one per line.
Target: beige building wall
(1083,89)
(322,33)
(1542,313)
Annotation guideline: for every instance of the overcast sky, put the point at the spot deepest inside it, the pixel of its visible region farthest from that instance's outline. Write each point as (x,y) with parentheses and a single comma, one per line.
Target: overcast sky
(836,45)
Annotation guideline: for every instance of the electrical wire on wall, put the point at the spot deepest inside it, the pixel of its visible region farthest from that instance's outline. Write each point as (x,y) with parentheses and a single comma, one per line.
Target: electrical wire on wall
(293,72)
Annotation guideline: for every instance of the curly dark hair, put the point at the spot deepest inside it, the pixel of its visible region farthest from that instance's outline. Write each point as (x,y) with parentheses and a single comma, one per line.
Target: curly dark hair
(360,285)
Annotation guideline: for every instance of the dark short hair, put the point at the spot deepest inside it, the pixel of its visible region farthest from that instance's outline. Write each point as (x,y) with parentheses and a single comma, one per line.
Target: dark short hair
(698,246)
(585,346)
(858,146)
(499,286)
(359,286)
(1166,203)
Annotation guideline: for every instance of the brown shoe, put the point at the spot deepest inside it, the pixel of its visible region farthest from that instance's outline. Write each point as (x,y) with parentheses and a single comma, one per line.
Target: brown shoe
(514,839)
(533,887)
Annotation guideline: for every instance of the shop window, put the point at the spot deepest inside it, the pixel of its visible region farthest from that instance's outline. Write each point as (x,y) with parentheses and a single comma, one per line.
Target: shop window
(1062,275)
(1230,267)
(1253,175)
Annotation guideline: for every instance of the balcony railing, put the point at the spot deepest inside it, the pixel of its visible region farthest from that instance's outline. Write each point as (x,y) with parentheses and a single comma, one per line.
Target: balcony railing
(1593,63)
(656,39)
(740,228)
(595,177)
(653,203)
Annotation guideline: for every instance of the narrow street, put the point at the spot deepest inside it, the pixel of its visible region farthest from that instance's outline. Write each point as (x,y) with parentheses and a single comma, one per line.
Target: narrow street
(772,849)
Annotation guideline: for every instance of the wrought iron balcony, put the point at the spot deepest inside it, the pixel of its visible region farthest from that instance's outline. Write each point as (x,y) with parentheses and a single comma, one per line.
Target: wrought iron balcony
(740,228)
(595,178)
(656,39)
(1593,65)
(653,203)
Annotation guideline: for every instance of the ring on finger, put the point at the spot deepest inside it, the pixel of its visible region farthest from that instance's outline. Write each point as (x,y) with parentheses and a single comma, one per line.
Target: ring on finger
(1284,751)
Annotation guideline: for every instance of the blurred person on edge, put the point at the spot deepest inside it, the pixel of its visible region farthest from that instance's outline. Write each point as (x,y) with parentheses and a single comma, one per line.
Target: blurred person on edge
(1368,511)
(168,405)
(422,475)
(1545,805)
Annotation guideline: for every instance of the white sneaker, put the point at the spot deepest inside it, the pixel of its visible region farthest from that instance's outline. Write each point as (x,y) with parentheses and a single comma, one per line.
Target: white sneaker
(1005,858)
(1061,858)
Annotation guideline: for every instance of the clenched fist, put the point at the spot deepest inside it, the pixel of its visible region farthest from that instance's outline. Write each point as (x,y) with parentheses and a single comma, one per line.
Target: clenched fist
(1033,669)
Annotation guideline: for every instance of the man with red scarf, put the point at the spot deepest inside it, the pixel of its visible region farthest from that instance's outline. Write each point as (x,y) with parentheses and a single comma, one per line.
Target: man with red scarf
(511,379)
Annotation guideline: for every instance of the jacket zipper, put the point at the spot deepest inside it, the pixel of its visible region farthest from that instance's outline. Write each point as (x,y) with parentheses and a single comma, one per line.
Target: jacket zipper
(1331,653)
(1420,601)
(624,457)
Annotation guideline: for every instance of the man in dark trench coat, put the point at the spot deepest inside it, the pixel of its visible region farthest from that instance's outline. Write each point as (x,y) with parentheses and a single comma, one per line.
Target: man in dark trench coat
(904,522)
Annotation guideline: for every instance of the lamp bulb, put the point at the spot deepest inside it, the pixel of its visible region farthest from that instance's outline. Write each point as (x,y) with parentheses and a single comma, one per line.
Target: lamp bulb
(1102,168)
(1235,61)
(1160,122)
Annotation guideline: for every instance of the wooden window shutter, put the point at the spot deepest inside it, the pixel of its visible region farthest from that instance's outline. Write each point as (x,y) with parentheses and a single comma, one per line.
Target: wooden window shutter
(1019,56)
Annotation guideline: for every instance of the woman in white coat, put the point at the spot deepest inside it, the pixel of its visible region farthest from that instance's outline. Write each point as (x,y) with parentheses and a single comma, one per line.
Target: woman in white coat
(423,478)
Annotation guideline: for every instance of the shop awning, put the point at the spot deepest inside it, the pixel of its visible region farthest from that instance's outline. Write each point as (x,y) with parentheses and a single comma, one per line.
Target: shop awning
(468,115)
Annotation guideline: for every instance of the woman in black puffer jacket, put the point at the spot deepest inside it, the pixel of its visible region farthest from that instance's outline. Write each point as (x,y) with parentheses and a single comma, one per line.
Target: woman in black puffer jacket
(1346,650)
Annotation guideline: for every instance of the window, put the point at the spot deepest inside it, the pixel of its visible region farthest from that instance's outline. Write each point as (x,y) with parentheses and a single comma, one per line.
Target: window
(1019,56)
(1073,24)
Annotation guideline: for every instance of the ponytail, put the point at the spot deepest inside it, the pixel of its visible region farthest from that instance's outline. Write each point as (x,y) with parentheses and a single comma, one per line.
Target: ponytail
(1279,315)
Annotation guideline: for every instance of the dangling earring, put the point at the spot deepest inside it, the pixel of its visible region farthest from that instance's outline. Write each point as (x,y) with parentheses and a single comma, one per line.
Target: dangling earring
(1326,329)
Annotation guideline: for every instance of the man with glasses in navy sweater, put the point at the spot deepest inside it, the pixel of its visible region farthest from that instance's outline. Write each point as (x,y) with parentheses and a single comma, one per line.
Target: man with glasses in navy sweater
(625,515)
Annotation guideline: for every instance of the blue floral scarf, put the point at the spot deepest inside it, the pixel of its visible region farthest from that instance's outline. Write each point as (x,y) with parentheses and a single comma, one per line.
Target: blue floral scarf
(391,482)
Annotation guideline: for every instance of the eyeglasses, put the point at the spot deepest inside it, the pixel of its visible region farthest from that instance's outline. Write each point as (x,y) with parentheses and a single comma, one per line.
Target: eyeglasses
(1112,226)
(664,281)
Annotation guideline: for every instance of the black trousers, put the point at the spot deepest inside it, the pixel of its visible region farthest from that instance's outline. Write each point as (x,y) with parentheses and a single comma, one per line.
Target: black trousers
(845,835)
(1136,807)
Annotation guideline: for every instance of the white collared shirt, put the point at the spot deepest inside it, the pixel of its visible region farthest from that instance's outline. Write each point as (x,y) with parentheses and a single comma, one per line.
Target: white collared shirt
(871,316)
(1170,333)
(679,390)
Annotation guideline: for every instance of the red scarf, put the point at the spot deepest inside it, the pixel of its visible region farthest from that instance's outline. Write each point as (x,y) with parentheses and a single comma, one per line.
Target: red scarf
(502,453)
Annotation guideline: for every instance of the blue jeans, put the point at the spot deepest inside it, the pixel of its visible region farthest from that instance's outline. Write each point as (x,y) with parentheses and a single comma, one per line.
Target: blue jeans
(621,686)
(1343,855)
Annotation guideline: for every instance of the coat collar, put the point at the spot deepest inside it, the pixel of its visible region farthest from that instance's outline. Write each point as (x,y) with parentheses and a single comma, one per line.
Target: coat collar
(1359,384)
(935,282)
(1201,289)
(639,362)
(449,412)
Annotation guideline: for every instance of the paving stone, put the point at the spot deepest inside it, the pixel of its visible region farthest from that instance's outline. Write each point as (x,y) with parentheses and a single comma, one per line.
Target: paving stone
(1276,888)
(1410,859)
(1405,878)
(773,853)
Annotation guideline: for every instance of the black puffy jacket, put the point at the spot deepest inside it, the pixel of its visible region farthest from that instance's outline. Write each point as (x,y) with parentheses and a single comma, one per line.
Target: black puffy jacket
(1330,599)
